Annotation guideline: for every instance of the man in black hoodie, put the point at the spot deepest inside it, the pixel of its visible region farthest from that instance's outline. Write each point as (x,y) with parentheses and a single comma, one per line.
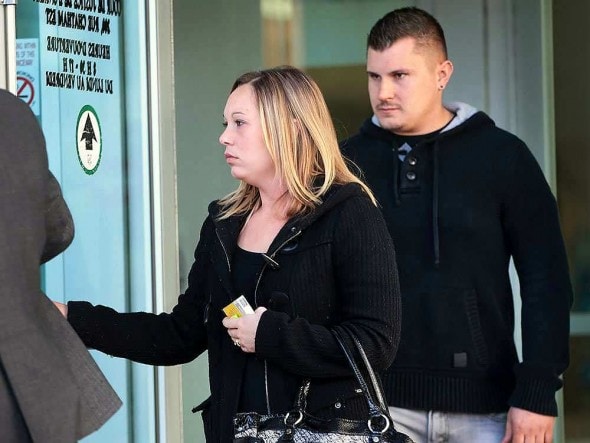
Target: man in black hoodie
(461,198)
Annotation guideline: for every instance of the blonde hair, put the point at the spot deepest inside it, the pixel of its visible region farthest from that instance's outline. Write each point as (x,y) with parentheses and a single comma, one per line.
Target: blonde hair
(300,138)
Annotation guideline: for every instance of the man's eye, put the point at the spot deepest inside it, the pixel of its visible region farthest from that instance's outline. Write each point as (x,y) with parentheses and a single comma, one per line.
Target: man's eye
(400,75)
(224,124)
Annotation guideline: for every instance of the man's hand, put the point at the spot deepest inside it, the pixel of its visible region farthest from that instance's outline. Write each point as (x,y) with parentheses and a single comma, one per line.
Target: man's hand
(62,308)
(528,427)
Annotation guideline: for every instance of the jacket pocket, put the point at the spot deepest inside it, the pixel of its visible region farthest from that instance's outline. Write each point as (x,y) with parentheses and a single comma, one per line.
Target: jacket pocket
(205,409)
(442,329)
(475,329)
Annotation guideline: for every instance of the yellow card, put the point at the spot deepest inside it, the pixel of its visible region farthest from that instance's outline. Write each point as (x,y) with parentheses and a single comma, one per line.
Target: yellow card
(238,308)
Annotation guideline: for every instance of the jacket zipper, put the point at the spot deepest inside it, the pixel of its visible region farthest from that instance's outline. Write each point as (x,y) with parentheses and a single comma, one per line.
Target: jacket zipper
(224,250)
(256,303)
(256,297)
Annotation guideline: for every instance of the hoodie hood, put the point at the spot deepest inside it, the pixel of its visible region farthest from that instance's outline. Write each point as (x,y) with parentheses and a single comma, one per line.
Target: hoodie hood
(462,111)
(466,118)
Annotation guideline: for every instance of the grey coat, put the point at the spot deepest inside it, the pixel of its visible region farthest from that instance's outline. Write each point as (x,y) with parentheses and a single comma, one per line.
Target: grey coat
(51,390)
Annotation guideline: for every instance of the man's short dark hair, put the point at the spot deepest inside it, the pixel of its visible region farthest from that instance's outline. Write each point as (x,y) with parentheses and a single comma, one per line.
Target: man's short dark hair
(407,22)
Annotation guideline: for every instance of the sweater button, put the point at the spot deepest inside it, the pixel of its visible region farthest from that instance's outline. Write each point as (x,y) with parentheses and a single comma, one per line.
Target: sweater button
(411,175)
(412,160)
(338,405)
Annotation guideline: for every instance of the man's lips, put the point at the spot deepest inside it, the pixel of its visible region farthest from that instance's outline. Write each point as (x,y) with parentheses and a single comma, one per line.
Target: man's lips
(388,108)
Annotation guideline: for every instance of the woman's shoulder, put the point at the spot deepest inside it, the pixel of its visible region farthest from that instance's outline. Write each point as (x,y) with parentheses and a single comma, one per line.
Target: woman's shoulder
(348,201)
(213,209)
(347,195)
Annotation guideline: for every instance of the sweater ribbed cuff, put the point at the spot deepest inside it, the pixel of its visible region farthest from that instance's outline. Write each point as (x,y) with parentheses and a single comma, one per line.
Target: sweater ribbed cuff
(78,320)
(536,395)
(268,335)
(535,388)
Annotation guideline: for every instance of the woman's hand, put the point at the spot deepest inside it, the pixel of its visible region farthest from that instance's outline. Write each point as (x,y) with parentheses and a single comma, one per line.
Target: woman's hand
(62,308)
(242,330)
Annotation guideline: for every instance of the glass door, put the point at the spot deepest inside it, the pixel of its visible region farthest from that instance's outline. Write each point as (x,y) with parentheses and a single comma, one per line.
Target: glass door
(74,72)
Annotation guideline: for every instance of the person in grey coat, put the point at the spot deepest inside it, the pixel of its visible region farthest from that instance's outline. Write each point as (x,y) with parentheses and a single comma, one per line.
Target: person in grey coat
(51,389)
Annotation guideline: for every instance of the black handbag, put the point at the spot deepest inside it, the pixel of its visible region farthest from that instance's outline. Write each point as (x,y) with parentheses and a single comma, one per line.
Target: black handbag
(297,426)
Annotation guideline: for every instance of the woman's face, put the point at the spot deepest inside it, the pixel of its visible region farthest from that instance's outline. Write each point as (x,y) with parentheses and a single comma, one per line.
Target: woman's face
(245,150)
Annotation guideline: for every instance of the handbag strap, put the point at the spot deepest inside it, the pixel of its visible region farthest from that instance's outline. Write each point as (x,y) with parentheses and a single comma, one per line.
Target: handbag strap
(375,381)
(301,401)
(375,407)
(379,419)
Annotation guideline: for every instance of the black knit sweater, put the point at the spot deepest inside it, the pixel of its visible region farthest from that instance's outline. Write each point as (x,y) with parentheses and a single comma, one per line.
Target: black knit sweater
(458,208)
(336,269)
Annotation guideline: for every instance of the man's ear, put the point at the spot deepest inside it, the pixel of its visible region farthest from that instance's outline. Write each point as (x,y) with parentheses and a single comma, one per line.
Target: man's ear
(444,72)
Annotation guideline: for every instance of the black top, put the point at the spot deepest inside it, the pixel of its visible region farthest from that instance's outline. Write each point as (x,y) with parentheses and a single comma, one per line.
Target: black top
(246,267)
(405,143)
(472,198)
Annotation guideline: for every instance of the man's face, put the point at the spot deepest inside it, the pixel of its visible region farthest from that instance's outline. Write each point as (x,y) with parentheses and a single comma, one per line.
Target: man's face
(404,86)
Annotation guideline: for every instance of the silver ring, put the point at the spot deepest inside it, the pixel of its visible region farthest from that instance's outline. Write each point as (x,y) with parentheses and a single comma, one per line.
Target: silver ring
(237,343)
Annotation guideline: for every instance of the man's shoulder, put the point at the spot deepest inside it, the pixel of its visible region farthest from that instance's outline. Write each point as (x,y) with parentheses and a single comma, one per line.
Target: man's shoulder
(500,135)
(491,140)
(10,104)
(18,121)
(352,142)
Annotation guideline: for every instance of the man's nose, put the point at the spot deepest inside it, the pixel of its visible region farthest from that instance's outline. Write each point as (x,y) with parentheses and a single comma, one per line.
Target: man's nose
(386,90)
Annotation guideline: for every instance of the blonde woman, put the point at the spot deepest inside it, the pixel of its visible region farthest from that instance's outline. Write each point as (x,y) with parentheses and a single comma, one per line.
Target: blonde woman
(302,239)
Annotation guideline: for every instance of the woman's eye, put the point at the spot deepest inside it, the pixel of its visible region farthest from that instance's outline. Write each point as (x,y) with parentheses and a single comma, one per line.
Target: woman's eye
(239,122)
(224,124)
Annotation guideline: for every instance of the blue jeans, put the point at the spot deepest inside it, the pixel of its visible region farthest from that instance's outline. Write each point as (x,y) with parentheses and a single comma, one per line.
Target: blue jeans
(443,427)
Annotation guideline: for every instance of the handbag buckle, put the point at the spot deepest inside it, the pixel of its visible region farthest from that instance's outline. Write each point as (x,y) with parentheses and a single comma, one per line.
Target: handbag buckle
(295,421)
(370,423)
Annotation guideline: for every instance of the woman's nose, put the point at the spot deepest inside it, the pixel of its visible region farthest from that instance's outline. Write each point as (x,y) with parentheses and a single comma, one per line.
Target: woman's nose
(223,138)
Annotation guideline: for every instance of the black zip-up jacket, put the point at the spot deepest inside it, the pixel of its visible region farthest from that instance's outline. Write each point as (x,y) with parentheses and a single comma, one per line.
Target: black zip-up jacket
(459,206)
(335,268)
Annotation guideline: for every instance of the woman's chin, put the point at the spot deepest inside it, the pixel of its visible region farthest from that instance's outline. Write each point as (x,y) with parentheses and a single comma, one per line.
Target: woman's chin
(235,174)
(238,176)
